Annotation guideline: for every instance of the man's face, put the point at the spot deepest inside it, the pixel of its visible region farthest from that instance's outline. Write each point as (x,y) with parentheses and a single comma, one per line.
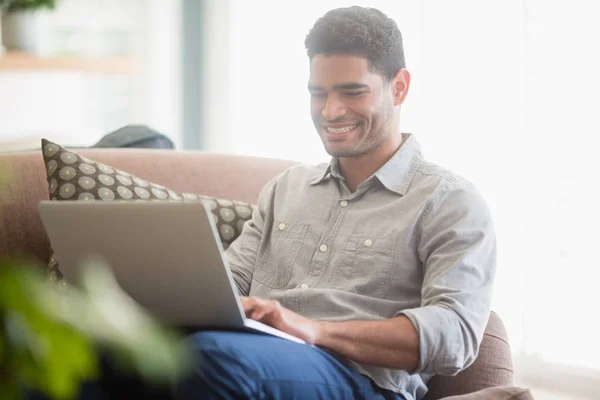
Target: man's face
(352,108)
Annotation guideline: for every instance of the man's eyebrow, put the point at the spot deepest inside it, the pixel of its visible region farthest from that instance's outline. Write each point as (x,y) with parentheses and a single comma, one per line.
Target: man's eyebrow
(350,86)
(343,86)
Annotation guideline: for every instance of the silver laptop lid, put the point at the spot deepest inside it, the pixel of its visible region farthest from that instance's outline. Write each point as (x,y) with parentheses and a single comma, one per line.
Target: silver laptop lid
(166,255)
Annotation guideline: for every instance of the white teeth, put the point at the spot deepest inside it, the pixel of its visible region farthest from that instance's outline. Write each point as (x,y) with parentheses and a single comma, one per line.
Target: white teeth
(341,130)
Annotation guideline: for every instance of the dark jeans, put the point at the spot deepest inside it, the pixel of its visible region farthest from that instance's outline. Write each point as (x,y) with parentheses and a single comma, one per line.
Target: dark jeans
(237,365)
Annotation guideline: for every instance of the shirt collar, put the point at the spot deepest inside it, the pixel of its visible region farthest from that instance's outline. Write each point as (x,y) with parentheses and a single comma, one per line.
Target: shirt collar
(396,174)
(332,169)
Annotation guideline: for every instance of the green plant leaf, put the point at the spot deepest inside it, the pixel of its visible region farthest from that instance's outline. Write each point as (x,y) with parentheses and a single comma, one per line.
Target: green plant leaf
(43,353)
(9,6)
(49,336)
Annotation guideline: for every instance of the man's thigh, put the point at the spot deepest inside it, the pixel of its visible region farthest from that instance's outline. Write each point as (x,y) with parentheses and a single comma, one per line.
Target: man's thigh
(234,365)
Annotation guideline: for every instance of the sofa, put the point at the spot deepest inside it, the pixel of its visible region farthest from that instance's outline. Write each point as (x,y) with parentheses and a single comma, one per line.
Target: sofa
(224,176)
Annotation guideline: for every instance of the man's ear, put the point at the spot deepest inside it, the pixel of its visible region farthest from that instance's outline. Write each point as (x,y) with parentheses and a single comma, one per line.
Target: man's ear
(400,84)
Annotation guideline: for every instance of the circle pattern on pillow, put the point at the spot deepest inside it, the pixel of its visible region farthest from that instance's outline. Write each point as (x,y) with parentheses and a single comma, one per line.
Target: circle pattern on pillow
(87,169)
(86,197)
(75,178)
(124,180)
(87,182)
(51,167)
(106,180)
(125,193)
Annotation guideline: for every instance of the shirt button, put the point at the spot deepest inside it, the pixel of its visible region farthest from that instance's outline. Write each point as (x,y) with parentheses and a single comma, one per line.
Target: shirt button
(304,286)
(368,242)
(323,248)
(281,226)
(343,203)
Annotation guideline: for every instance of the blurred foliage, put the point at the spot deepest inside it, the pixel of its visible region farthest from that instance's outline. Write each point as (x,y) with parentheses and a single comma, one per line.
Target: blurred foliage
(48,334)
(26,5)
(37,349)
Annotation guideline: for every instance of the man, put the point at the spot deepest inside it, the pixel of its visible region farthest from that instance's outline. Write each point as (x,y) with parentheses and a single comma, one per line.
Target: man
(381,260)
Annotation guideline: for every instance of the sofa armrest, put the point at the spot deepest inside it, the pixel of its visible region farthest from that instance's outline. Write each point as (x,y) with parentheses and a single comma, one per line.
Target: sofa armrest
(492,368)
(496,393)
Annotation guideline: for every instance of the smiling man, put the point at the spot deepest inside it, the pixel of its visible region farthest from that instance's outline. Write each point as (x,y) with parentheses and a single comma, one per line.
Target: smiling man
(380,259)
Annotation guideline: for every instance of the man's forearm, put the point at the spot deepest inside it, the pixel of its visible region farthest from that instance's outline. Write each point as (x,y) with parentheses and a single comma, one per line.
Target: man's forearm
(392,343)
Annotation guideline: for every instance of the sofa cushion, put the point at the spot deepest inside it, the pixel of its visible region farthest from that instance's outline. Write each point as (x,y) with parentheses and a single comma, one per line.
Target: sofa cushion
(72,177)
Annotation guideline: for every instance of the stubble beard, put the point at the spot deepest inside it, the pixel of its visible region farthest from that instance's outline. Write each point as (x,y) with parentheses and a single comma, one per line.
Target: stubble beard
(365,143)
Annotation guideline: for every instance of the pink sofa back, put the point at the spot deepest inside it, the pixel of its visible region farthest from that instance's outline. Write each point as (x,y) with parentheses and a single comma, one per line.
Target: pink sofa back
(225,176)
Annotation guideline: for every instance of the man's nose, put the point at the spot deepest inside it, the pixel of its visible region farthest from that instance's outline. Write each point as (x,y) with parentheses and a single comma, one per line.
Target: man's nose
(333,108)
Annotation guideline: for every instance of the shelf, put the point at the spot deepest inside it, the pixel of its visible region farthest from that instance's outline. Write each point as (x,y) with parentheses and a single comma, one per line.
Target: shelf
(24,62)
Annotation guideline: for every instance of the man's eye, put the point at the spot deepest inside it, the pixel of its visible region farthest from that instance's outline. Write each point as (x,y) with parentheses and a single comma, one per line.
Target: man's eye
(353,94)
(317,95)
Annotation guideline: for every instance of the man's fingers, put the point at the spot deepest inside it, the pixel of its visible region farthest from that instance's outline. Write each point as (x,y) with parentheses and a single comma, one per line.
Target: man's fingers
(249,310)
(257,309)
(252,307)
(249,303)
(257,314)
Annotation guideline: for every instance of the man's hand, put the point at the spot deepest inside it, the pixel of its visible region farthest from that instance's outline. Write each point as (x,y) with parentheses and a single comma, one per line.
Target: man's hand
(272,313)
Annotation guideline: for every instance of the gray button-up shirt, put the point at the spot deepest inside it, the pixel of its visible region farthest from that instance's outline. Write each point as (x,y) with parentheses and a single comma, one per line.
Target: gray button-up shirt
(414,239)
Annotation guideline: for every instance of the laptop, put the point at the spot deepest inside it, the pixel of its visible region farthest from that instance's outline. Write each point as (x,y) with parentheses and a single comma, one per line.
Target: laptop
(165,255)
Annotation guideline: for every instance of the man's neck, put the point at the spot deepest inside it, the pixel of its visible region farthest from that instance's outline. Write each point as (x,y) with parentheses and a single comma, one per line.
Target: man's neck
(356,170)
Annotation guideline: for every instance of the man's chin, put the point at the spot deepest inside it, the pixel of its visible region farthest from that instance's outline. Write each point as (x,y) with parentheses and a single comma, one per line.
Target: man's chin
(338,151)
(341,147)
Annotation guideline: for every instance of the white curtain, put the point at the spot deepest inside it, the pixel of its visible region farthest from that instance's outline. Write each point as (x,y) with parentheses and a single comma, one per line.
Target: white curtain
(504,92)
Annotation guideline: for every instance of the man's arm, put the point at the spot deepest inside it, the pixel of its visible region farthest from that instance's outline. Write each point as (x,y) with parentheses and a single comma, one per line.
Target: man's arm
(457,246)
(391,343)
(243,252)
(442,336)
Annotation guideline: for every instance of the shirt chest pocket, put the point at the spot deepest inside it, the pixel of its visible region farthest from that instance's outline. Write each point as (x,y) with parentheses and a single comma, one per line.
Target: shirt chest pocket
(274,269)
(365,265)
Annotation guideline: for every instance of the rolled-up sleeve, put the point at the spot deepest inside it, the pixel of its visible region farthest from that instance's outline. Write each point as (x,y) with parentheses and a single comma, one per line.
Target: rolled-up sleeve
(457,247)
(242,254)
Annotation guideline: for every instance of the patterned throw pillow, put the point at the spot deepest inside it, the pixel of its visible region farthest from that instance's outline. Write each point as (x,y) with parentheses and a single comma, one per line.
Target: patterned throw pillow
(73,177)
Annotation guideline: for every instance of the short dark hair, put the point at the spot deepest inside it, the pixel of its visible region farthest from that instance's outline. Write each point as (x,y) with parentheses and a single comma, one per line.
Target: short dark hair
(363,32)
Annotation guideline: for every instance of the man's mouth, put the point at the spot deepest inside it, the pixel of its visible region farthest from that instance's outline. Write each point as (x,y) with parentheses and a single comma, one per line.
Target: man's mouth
(338,130)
